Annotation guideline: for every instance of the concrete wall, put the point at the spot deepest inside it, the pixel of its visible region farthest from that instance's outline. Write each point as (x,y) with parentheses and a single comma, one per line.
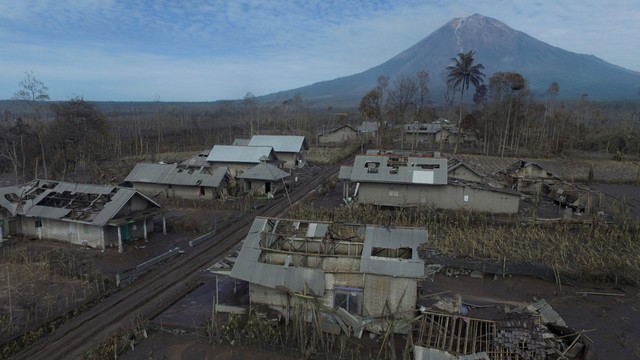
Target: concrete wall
(177,191)
(400,293)
(447,197)
(81,234)
(463,173)
(75,233)
(290,158)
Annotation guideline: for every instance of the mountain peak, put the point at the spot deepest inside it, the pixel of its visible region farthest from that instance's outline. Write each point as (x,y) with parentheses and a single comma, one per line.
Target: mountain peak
(500,49)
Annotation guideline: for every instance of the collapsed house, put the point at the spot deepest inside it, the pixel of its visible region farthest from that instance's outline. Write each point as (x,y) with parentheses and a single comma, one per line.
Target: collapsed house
(91,215)
(533,179)
(531,332)
(525,176)
(356,274)
(180,181)
(430,133)
(398,179)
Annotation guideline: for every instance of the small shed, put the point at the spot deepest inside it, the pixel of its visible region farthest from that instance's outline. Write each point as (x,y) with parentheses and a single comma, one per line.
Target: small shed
(263,179)
(92,215)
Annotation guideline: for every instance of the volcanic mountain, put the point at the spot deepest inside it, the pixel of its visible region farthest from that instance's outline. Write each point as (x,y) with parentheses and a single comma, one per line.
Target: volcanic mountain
(499,48)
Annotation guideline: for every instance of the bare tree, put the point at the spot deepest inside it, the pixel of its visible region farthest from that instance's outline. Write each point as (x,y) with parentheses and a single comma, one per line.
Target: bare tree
(36,94)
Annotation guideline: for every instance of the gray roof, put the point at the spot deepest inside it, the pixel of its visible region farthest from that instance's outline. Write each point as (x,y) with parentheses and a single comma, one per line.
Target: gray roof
(281,143)
(89,204)
(250,267)
(240,154)
(393,238)
(241,142)
(340,127)
(197,160)
(172,174)
(384,169)
(368,126)
(264,171)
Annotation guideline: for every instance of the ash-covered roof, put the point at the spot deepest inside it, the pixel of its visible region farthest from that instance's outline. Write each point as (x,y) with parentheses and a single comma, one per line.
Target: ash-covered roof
(90,204)
(379,250)
(240,154)
(281,143)
(264,171)
(397,169)
(172,174)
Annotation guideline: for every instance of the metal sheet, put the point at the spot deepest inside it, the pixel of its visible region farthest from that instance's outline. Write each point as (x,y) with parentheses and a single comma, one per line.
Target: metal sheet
(281,143)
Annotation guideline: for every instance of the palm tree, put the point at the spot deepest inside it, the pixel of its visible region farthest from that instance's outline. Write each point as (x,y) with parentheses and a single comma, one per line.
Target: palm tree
(462,73)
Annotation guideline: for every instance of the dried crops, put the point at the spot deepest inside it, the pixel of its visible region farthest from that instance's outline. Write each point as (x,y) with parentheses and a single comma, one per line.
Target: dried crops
(587,250)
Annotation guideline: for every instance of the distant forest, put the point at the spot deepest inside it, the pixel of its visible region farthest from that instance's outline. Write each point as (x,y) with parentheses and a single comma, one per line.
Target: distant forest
(45,139)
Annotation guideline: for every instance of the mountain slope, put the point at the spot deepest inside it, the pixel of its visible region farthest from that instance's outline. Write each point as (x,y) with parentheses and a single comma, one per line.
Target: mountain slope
(499,48)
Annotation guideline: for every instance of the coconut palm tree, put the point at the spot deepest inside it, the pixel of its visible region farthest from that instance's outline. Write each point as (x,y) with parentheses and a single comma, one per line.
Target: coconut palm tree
(462,73)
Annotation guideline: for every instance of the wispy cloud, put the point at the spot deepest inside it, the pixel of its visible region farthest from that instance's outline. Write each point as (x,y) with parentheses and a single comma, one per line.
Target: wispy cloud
(210,49)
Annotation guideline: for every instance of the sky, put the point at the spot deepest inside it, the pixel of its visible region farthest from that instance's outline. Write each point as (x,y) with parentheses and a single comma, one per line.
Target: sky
(207,50)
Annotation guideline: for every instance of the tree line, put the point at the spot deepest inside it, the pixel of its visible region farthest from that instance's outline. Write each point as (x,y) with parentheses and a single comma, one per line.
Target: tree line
(502,116)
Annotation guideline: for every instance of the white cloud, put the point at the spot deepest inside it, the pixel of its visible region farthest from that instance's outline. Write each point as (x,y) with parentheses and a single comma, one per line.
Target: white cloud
(206,50)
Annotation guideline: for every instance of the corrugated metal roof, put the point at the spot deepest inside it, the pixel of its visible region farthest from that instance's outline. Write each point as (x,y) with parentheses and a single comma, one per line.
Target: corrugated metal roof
(197,160)
(371,168)
(281,143)
(247,266)
(264,171)
(115,198)
(172,174)
(345,172)
(240,154)
(393,238)
(241,142)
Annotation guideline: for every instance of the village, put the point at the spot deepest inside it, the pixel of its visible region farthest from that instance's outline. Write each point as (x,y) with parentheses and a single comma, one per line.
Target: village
(318,277)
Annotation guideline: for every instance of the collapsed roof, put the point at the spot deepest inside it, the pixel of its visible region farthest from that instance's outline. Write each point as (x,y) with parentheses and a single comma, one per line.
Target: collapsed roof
(312,248)
(91,204)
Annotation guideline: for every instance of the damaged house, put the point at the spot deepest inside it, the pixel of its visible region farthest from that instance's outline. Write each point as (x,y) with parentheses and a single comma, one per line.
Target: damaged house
(525,176)
(180,181)
(91,215)
(393,179)
(356,274)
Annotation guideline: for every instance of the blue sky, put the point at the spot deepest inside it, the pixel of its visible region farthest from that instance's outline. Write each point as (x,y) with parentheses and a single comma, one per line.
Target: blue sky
(205,50)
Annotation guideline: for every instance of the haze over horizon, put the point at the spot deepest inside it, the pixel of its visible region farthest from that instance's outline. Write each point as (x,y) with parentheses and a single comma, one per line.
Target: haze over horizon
(213,50)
